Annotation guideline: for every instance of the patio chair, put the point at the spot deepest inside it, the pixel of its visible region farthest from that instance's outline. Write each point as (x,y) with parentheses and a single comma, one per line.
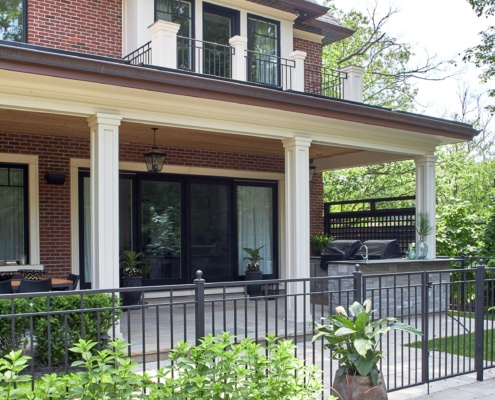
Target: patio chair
(71,277)
(5,287)
(42,285)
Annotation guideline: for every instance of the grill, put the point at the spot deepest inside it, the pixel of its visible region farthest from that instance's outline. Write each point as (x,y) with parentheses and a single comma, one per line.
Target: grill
(339,250)
(379,250)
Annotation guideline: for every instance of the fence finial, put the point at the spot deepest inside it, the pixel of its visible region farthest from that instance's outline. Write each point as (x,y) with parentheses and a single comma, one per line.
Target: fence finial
(199,274)
(357,266)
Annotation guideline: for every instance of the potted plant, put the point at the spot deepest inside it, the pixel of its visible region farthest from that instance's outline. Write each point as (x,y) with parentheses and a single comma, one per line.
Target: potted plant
(353,339)
(423,228)
(318,243)
(131,275)
(253,269)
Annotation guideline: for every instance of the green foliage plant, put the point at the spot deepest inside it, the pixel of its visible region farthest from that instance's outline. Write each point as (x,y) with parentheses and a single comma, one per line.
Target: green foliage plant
(318,243)
(71,325)
(131,261)
(216,369)
(423,226)
(353,338)
(254,258)
(220,368)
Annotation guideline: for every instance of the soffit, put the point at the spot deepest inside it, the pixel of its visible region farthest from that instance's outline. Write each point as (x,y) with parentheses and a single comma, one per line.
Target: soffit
(37,123)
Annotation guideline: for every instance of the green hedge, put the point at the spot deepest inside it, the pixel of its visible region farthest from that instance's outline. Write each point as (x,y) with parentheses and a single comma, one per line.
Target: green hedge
(55,333)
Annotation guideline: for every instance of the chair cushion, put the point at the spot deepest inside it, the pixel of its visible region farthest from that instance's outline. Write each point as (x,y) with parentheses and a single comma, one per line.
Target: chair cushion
(5,276)
(31,274)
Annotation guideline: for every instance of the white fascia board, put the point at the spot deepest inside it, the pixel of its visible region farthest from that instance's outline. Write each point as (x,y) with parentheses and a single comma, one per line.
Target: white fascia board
(62,96)
(311,37)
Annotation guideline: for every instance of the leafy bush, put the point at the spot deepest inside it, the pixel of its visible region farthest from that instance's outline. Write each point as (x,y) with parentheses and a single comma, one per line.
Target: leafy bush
(68,327)
(216,369)
(12,329)
(219,368)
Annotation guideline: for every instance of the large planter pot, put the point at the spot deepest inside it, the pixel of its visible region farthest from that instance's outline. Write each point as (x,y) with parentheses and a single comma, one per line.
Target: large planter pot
(254,290)
(355,387)
(131,298)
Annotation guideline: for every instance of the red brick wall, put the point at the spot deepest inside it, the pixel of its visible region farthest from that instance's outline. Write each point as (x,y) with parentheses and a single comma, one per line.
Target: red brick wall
(54,200)
(86,26)
(312,63)
(316,204)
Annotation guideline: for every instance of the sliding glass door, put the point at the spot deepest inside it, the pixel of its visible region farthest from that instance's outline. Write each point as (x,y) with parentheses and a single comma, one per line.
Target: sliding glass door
(184,224)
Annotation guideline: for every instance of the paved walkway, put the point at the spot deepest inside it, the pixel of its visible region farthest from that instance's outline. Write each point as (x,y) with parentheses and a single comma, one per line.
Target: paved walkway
(464,387)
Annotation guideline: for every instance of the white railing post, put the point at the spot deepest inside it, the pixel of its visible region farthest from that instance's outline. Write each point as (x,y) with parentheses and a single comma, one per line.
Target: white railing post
(164,43)
(353,84)
(297,75)
(239,44)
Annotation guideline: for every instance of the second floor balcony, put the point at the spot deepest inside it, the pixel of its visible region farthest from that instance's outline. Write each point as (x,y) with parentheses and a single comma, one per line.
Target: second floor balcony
(236,62)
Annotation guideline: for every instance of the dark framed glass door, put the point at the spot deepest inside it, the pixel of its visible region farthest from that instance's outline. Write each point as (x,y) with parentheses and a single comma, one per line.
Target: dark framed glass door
(186,223)
(219,25)
(263,51)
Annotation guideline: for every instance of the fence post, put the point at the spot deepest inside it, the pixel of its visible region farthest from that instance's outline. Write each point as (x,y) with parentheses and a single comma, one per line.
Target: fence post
(425,354)
(200,305)
(479,320)
(358,284)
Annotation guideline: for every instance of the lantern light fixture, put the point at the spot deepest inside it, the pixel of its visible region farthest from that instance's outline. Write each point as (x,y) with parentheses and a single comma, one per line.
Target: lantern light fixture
(154,159)
(312,170)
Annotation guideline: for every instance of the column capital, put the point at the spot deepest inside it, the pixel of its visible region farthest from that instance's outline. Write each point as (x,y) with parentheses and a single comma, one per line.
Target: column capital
(296,141)
(432,158)
(298,55)
(104,118)
(238,41)
(163,26)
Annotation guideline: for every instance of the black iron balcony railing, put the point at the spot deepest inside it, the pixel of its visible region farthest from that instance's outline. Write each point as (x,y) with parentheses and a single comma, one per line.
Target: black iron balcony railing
(269,70)
(215,59)
(323,81)
(141,56)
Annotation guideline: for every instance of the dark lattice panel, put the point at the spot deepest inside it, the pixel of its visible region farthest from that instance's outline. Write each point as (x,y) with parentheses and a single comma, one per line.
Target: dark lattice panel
(373,225)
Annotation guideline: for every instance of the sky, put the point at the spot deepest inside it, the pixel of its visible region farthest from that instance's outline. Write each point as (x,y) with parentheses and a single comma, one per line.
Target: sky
(445,28)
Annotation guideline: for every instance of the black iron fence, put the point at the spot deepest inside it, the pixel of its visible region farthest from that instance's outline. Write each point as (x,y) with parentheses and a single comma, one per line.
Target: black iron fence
(270,70)
(324,81)
(451,307)
(141,56)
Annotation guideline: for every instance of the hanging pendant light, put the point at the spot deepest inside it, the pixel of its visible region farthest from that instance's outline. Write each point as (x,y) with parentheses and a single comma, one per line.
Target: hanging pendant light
(154,159)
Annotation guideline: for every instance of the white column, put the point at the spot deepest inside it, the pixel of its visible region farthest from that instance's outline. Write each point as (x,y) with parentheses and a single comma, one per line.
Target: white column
(353,83)
(239,44)
(426,196)
(297,77)
(104,184)
(164,43)
(297,221)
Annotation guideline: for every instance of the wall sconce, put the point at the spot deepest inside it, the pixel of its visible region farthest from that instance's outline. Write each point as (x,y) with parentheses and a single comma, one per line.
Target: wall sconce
(312,170)
(55,178)
(154,159)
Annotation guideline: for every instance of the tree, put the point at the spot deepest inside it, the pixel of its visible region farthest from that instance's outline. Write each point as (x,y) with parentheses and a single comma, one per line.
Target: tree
(483,55)
(388,73)
(11,23)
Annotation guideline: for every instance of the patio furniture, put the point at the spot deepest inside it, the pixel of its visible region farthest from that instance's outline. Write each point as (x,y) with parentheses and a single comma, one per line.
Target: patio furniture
(27,286)
(5,287)
(65,284)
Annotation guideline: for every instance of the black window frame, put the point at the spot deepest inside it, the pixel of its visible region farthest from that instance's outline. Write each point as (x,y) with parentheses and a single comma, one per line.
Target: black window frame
(25,187)
(24,31)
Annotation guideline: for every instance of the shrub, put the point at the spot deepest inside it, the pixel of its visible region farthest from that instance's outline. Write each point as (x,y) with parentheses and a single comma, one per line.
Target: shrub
(13,329)
(219,368)
(57,332)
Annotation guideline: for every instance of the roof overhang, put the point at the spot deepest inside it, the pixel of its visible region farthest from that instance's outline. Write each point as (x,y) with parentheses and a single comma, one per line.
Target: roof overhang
(161,96)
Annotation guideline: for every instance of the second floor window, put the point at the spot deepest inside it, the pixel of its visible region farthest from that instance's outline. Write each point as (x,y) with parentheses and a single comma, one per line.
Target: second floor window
(12,20)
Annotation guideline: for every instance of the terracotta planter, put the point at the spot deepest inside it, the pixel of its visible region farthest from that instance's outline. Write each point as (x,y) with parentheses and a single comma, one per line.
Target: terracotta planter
(355,387)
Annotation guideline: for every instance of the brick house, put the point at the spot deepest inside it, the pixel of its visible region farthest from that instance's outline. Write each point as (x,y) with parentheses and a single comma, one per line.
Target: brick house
(233,91)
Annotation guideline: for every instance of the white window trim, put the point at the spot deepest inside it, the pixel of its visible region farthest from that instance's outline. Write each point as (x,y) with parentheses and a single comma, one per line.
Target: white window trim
(33,200)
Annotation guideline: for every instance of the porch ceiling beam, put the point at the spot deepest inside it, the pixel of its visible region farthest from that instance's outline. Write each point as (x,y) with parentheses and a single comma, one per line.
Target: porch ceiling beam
(357,160)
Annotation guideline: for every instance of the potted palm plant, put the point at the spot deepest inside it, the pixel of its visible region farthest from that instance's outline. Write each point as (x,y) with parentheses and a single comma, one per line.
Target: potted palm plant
(353,339)
(131,275)
(253,269)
